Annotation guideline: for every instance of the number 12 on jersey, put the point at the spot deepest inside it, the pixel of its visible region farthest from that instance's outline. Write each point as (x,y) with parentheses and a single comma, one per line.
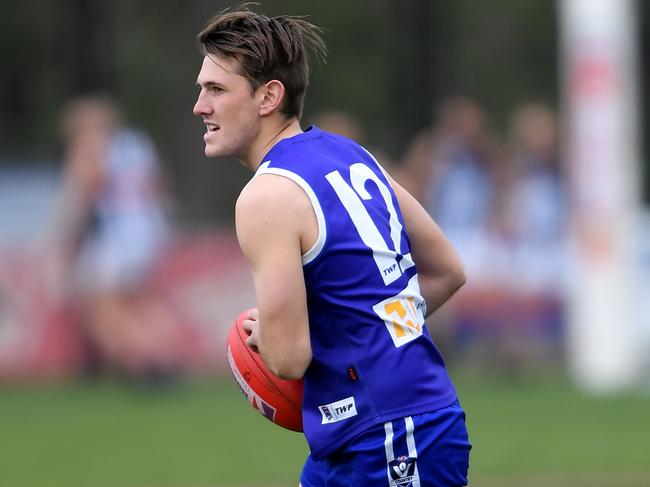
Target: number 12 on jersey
(352,199)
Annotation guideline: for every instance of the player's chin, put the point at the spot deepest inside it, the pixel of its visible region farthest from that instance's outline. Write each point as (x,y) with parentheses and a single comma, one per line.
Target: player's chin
(212,151)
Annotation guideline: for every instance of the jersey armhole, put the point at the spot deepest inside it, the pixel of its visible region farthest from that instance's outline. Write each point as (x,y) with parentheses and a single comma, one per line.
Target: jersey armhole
(315,250)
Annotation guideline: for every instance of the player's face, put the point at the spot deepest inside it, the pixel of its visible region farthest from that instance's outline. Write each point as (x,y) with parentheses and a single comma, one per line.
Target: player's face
(229,108)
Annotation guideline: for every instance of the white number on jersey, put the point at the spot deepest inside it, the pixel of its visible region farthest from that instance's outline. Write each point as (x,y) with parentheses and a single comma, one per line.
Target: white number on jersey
(351,197)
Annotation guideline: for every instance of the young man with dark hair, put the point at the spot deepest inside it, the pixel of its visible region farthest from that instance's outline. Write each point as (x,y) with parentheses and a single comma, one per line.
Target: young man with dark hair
(346,266)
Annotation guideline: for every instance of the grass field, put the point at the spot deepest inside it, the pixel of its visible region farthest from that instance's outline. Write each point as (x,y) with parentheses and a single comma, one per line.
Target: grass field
(530,434)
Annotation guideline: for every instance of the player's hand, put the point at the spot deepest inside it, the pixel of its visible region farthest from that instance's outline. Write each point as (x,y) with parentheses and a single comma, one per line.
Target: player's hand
(251,327)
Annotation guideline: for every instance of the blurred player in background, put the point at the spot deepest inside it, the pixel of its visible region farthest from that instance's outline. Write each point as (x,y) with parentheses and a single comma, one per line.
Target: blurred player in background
(538,206)
(537,227)
(333,243)
(111,228)
(459,173)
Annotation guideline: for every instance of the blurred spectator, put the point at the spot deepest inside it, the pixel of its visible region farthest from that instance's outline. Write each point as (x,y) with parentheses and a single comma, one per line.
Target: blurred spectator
(537,206)
(110,229)
(457,171)
(538,202)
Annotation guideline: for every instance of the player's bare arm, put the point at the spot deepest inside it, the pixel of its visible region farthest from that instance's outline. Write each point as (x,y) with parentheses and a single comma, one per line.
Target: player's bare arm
(271,213)
(440,270)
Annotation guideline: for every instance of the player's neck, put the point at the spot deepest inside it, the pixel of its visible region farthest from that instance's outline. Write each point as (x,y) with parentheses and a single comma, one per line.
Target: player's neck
(275,132)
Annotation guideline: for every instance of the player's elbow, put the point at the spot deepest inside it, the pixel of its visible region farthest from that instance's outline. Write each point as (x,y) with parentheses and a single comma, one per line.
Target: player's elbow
(448,278)
(439,286)
(452,281)
(456,277)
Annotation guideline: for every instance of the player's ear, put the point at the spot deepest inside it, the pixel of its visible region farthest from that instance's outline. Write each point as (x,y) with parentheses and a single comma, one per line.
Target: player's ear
(273,96)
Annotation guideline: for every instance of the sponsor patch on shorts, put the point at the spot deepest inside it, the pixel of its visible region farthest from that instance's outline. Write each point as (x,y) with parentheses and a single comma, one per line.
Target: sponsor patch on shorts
(338,411)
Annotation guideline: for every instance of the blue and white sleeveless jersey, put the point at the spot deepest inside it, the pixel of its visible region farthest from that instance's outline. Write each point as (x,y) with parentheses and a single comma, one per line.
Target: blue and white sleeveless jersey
(373,358)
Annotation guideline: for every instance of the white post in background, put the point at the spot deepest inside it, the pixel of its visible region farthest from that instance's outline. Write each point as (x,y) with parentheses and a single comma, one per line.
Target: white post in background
(602,156)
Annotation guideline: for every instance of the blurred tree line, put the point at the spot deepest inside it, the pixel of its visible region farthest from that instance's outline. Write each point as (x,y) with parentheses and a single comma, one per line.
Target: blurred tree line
(390,62)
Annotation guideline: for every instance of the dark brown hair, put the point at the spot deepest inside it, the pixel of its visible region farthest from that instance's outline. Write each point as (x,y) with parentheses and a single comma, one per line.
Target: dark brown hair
(267,48)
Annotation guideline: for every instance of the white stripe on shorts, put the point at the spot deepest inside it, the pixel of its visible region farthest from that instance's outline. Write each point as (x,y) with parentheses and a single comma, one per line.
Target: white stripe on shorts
(410,441)
(390,453)
(413,451)
(388,442)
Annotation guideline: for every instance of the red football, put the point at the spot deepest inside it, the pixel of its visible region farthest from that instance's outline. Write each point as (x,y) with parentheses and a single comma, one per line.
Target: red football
(276,399)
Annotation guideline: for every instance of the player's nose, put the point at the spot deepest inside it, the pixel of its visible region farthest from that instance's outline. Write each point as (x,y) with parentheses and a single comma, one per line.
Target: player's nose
(201,107)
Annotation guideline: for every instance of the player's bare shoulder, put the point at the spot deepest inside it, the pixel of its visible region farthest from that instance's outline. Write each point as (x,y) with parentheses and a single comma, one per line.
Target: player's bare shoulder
(270,196)
(273,203)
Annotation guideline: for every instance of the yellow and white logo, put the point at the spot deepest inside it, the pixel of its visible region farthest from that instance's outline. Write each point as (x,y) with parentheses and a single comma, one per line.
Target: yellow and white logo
(402,314)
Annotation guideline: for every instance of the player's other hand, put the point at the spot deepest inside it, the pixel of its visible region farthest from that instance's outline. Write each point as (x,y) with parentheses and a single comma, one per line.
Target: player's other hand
(251,327)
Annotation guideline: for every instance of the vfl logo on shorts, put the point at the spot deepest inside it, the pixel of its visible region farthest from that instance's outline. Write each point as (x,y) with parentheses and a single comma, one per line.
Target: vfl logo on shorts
(402,472)
(339,410)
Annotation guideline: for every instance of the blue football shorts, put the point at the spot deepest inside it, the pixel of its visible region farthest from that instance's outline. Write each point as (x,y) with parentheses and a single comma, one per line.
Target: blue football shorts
(425,450)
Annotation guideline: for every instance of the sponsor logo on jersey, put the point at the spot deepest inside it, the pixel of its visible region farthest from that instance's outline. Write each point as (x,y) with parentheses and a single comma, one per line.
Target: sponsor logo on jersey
(403,314)
(403,472)
(338,411)
(258,403)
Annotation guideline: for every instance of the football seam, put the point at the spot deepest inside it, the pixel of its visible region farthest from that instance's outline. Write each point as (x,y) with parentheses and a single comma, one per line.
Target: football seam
(269,382)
